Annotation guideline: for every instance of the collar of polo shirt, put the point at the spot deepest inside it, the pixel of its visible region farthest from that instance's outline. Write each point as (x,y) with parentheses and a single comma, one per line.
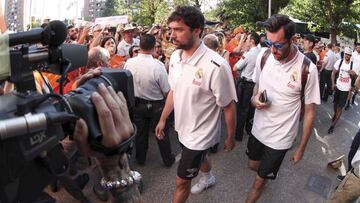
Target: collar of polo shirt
(200,51)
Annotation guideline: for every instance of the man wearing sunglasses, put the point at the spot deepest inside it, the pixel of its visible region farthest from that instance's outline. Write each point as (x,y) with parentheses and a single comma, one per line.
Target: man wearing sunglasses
(277,114)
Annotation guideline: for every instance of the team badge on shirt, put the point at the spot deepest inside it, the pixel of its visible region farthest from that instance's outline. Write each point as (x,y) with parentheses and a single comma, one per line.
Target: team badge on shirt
(198,77)
(294,76)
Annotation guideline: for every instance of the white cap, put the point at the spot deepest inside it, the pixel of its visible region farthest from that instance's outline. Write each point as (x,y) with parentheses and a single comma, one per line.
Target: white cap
(348,51)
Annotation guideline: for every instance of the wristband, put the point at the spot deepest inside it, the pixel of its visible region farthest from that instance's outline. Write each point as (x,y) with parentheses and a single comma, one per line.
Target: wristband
(134,177)
(124,147)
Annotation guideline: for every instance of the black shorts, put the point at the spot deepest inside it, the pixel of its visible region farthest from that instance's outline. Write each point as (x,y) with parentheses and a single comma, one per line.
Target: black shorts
(270,159)
(340,97)
(190,163)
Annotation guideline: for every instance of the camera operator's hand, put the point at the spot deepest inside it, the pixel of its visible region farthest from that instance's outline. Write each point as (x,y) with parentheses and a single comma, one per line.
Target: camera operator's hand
(114,121)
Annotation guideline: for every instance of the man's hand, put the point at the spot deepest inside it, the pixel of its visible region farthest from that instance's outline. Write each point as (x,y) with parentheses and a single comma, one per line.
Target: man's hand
(257,103)
(87,76)
(296,157)
(229,144)
(352,72)
(159,130)
(113,117)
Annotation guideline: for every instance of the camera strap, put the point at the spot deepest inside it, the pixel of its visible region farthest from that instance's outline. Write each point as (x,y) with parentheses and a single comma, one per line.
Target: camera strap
(124,147)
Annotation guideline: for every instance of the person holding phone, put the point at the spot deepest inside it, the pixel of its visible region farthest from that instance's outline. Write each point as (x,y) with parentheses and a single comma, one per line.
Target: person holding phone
(277,99)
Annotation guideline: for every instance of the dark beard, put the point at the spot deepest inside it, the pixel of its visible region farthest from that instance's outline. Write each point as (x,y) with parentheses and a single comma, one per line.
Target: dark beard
(186,46)
(73,37)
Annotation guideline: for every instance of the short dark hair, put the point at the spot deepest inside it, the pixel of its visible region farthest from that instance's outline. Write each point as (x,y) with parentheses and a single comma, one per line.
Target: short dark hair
(70,27)
(254,36)
(147,42)
(190,15)
(329,46)
(276,22)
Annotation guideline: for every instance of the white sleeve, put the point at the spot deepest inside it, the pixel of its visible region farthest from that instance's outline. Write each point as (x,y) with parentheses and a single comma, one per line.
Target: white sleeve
(312,90)
(241,64)
(337,64)
(163,80)
(257,69)
(222,85)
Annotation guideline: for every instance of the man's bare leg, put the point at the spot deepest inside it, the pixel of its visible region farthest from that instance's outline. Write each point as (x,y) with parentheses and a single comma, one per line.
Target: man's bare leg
(256,190)
(182,190)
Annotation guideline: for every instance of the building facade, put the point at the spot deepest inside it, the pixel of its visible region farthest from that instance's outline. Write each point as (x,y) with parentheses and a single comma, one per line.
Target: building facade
(93,9)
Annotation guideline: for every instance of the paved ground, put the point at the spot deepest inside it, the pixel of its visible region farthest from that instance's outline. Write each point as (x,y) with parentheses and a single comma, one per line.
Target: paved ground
(309,181)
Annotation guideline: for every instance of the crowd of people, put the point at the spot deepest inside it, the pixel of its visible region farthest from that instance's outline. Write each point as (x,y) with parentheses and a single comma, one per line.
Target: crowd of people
(187,75)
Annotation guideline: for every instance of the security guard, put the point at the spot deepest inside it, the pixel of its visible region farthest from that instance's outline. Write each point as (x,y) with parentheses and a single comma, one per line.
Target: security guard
(246,66)
(151,87)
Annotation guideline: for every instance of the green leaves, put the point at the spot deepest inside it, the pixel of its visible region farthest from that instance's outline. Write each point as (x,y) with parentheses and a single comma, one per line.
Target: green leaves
(247,12)
(334,16)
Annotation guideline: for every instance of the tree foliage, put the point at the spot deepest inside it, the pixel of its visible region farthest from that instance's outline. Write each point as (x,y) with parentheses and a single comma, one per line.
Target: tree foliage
(334,16)
(151,11)
(248,12)
(111,8)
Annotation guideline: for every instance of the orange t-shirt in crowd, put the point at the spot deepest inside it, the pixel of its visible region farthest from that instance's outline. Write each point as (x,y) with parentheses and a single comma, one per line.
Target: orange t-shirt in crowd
(116,61)
(54,81)
(232,59)
(322,55)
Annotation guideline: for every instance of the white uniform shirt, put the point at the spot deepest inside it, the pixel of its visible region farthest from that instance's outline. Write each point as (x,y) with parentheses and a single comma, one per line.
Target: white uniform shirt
(329,60)
(149,76)
(201,85)
(123,47)
(355,163)
(343,82)
(277,125)
(246,64)
(317,55)
(356,62)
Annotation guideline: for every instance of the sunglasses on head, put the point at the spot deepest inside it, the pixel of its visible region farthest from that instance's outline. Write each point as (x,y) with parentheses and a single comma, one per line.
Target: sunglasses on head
(277,45)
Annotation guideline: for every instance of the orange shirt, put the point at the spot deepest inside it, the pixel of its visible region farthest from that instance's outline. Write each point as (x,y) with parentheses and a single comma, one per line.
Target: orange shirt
(116,61)
(232,59)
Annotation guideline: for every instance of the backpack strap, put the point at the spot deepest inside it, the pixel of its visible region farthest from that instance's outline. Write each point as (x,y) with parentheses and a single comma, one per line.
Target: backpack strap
(351,65)
(340,63)
(304,76)
(264,58)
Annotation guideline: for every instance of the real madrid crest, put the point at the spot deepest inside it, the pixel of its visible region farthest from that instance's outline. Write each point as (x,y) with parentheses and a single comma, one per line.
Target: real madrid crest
(199,74)
(198,77)
(294,76)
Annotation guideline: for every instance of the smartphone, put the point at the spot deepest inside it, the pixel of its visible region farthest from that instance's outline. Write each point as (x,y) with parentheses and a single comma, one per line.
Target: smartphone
(112,29)
(263,97)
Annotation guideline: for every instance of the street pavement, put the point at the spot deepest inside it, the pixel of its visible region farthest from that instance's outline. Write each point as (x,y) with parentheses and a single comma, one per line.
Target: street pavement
(311,180)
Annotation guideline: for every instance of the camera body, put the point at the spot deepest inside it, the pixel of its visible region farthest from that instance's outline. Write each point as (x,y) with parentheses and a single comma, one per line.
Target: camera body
(32,125)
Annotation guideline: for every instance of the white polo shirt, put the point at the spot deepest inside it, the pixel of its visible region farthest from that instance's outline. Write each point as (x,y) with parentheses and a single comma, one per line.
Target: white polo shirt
(277,125)
(355,57)
(329,60)
(123,47)
(201,85)
(246,64)
(343,82)
(150,77)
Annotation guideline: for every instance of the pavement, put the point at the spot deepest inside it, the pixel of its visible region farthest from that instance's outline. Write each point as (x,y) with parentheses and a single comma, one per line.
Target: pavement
(310,181)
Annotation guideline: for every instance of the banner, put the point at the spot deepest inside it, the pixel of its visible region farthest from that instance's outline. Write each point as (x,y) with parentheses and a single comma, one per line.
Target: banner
(112,20)
(82,23)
